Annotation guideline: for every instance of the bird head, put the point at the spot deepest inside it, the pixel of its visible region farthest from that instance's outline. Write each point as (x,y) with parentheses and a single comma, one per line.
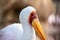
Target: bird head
(25,13)
(29,15)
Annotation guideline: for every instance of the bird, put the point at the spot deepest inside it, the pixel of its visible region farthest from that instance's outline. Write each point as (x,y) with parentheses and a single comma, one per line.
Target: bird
(27,28)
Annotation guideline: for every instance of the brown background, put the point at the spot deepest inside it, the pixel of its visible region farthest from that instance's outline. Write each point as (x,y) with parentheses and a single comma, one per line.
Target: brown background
(10,9)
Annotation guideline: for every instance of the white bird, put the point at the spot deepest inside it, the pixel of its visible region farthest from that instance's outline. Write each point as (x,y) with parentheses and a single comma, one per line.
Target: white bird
(25,30)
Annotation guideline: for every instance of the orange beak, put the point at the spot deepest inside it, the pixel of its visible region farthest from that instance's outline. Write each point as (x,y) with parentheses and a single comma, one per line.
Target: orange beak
(38,28)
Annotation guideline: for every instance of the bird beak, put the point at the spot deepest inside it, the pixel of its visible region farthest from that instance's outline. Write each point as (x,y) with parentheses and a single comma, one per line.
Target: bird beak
(38,28)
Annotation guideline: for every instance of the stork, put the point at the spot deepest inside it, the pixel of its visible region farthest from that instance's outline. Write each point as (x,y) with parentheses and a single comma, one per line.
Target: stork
(26,30)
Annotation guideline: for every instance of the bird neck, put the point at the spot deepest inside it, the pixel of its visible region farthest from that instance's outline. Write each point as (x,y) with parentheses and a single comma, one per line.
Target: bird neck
(27,27)
(28,31)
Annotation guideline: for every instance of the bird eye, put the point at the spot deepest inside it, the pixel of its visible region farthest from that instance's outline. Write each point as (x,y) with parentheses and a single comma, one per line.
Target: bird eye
(32,14)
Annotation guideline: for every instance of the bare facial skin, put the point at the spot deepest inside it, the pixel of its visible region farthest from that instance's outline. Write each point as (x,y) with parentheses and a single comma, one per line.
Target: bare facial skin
(32,17)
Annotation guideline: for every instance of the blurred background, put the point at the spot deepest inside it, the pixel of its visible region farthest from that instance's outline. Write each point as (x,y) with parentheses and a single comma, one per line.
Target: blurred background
(10,9)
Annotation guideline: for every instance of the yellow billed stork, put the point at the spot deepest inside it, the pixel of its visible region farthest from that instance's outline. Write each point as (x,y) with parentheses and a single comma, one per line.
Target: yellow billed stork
(26,30)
